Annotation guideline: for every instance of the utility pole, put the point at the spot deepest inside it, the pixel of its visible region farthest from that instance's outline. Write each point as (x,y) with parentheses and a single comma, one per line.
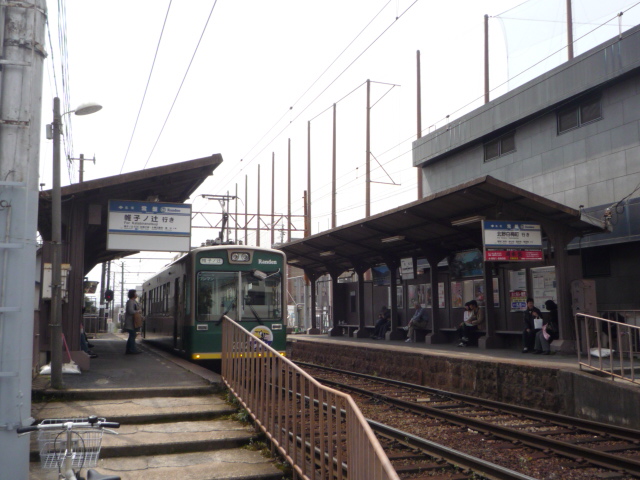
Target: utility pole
(368,153)
(121,285)
(22,27)
(81,171)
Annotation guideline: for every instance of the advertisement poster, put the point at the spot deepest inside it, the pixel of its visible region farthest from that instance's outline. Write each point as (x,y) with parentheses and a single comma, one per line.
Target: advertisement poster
(467,291)
(400,297)
(496,293)
(478,292)
(427,295)
(518,300)
(406,268)
(441,302)
(412,296)
(456,295)
(543,281)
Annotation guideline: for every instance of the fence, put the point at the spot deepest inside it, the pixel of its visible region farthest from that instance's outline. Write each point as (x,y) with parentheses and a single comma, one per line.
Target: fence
(608,346)
(320,431)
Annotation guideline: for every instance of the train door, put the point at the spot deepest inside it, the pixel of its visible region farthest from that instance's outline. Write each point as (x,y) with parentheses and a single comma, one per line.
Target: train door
(178,315)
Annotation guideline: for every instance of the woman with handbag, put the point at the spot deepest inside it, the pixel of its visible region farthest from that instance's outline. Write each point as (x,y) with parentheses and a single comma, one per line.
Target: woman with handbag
(132,309)
(549,331)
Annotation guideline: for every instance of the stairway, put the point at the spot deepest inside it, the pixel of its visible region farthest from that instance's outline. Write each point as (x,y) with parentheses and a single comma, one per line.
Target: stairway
(181,433)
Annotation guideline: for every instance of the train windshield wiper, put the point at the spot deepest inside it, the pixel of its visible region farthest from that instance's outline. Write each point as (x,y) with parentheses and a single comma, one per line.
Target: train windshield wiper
(231,307)
(255,314)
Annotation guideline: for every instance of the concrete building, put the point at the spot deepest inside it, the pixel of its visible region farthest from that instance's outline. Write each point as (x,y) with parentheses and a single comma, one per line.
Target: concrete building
(571,135)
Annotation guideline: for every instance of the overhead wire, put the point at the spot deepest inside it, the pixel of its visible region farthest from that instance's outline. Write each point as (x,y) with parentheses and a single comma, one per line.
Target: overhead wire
(146,88)
(319,77)
(182,83)
(325,89)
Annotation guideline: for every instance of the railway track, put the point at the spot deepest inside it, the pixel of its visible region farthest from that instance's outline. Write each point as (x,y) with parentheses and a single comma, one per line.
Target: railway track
(535,443)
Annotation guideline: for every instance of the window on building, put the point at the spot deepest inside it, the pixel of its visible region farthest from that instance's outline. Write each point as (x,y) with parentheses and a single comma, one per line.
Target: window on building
(579,114)
(500,146)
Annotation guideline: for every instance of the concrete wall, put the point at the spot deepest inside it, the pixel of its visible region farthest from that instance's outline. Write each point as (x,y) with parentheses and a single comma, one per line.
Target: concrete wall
(596,164)
(561,391)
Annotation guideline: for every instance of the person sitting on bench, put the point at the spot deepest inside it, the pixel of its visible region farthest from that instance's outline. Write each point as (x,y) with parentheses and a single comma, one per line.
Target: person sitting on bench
(384,319)
(470,326)
(420,319)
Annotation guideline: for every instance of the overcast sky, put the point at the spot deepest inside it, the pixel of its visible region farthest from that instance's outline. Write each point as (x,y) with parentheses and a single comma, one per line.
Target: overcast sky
(264,69)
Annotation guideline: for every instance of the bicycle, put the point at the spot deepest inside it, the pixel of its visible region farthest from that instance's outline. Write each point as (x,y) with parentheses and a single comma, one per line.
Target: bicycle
(78,448)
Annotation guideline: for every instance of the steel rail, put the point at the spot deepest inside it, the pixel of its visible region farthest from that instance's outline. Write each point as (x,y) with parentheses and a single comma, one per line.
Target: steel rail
(603,429)
(486,469)
(594,457)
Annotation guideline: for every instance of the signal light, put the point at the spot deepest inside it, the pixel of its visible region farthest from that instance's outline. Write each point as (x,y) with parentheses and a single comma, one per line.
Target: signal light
(108,295)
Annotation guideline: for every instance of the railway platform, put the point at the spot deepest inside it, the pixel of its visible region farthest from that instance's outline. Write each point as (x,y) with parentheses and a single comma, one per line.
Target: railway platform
(553,383)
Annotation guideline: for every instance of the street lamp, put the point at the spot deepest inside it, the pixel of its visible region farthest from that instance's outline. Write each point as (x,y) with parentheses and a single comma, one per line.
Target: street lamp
(56,240)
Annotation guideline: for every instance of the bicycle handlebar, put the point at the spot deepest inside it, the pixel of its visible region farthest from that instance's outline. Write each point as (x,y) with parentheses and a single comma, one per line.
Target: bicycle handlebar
(65,425)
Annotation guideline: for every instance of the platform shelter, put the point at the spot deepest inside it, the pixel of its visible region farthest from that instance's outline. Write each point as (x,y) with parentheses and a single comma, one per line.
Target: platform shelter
(435,228)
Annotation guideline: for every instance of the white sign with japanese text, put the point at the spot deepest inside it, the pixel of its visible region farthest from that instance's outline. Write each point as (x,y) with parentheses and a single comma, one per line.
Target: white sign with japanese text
(153,226)
(512,234)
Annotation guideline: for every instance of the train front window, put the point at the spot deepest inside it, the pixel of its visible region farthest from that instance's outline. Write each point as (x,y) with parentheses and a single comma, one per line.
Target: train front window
(217,295)
(261,296)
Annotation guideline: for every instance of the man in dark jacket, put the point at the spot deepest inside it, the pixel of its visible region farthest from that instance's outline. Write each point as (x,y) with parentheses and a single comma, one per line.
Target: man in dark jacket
(532,325)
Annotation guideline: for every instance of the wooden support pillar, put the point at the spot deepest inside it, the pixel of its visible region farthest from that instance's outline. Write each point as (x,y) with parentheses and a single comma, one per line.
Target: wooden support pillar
(335,331)
(313,276)
(361,332)
(434,257)
(560,238)
(490,340)
(392,265)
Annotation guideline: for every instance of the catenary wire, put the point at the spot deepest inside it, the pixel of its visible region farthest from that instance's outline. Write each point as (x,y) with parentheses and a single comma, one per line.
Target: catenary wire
(181,83)
(146,88)
(323,91)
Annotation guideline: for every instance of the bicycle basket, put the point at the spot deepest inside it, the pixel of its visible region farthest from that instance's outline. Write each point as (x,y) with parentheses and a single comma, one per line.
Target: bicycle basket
(85,444)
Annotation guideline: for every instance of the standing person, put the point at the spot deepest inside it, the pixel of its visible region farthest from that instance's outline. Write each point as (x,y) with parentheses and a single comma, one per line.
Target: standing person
(532,325)
(131,307)
(420,319)
(549,331)
(384,318)
(471,324)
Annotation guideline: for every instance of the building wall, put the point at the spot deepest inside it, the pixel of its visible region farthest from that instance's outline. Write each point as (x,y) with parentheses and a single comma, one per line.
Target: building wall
(595,164)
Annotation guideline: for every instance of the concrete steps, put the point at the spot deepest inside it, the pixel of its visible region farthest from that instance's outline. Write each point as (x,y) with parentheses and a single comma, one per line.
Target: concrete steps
(163,437)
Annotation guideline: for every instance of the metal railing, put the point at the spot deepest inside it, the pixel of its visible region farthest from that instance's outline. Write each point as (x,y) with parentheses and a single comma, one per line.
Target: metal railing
(608,346)
(319,431)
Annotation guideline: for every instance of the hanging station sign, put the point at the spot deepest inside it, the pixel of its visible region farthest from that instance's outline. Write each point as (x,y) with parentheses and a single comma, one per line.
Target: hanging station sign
(154,226)
(511,241)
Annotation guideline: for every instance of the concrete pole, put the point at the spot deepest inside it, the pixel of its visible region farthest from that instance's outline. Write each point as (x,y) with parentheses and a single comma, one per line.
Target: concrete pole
(308,232)
(486,59)
(569,30)
(419,120)
(333,173)
(81,167)
(368,157)
(56,255)
(102,288)
(246,210)
(289,191)
(236,227)
(22,27)
(121,284)
(273,198)
(258,216)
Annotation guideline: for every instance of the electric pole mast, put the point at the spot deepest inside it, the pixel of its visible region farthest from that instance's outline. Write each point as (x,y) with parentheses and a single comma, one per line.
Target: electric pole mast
(22,27)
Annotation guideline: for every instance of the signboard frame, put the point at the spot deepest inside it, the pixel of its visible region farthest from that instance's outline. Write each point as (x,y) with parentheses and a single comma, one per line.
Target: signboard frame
(153,226)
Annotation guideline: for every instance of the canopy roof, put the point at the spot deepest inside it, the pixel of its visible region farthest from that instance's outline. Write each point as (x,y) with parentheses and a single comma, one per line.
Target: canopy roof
(170,183)
(425,225)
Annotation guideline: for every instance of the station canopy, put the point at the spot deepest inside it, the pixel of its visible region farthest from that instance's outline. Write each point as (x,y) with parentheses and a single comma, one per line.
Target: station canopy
(443,223)
(173,183)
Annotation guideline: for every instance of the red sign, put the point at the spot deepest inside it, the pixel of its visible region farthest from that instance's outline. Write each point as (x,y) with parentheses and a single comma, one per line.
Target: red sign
(513,255)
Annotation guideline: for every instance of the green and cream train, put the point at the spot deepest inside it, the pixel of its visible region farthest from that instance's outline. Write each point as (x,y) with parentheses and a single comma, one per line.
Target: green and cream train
(184,303)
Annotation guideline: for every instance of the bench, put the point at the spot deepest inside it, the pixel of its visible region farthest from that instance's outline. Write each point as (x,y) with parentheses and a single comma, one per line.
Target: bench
(349,329)
(421,333)
(473,340)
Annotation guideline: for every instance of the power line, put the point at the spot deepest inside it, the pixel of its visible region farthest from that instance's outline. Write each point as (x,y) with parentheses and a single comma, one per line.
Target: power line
(224,179)
(147,86)
(182,83)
